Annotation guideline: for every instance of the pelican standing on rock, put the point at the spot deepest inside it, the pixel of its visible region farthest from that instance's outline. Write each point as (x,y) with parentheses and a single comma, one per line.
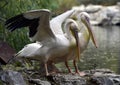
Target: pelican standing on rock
(86,31)
(53,44)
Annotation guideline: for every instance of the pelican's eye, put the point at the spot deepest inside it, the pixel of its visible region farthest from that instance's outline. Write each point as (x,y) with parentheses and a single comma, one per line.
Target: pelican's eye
(88,20)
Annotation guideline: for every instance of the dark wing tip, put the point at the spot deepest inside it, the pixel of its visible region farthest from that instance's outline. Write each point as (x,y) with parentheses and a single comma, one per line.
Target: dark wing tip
(17,22)
(20,21)
(11,24)
(13,19)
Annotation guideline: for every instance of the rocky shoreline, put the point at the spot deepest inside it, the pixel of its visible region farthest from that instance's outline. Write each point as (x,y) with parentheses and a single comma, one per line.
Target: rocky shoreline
(93,77)
(102,15)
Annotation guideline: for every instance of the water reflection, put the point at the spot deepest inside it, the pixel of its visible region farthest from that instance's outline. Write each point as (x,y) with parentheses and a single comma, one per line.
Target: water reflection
(108,52)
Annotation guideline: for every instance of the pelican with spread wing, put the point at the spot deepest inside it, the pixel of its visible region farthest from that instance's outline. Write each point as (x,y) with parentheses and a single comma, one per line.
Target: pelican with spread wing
(54,45)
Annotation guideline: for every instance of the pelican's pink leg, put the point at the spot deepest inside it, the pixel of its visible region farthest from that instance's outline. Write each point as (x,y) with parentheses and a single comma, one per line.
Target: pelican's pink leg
(46,69)
(66,64)
(77,70)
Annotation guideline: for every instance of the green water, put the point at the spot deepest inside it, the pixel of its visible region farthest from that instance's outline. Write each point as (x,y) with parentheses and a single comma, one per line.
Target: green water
(107,55)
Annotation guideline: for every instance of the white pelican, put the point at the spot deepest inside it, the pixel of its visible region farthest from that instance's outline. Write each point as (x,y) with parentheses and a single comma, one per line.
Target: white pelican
(83,22)
(53,42)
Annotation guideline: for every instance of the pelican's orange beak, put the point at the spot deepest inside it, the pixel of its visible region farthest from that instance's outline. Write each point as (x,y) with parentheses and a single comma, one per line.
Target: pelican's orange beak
(75,32)
(88,25)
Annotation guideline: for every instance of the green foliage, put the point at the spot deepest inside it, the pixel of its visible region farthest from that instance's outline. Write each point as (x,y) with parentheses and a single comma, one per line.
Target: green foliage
(100,2)
(65,5)
(10,8)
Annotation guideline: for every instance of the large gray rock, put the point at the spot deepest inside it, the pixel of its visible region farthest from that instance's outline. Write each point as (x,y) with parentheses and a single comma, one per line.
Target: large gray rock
(103,77)
(66,79)
(93,77)
(11,78)
(101,15)
(105,80)
(39,82)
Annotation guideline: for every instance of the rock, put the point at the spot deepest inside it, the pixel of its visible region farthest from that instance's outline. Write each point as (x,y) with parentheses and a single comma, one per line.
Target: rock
(93,77)
(93,8)
(79,8)
(106,16)
(6,53)
(12,78)
(105,80)
(101,15)
(66,79)
(103,77)
(39,82)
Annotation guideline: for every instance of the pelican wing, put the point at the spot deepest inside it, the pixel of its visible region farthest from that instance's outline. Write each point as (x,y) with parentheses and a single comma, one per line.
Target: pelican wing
(56,23)
(36,20)
(28,50)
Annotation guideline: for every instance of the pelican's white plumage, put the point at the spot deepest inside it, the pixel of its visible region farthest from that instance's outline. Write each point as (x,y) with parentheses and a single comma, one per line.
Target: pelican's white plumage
(53,46)
(56,23)
(85,33)
(28,50)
